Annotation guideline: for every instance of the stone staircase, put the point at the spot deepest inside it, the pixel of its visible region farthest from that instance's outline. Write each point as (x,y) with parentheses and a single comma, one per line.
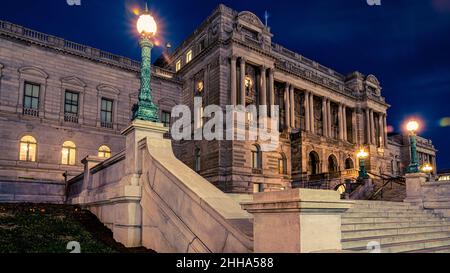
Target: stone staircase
(395,227)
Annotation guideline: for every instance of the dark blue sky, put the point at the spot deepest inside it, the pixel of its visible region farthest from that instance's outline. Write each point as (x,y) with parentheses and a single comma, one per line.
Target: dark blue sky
(405,43)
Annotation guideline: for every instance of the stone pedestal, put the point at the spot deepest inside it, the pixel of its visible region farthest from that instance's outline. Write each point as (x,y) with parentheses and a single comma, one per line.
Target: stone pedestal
(138,130)
(414,183)
(89,162)
(297,220)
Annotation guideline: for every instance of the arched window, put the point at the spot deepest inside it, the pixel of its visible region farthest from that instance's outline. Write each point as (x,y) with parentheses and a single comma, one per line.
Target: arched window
(282,164)
(349,164)
(27,149)
(332,164)
(314,162)
(256,157)
(68,153)
(197,155)
(104,151)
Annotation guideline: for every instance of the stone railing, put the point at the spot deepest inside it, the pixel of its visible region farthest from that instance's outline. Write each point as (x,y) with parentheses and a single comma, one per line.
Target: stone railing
(429,195)
(290,54)
(22,33)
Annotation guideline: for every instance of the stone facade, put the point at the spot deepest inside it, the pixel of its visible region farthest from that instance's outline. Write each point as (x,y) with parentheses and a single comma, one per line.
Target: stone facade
(330,115)
(400,153)
(230,59)
(56,66)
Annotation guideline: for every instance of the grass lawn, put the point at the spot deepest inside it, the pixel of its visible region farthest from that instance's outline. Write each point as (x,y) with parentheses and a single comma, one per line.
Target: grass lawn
(44,228)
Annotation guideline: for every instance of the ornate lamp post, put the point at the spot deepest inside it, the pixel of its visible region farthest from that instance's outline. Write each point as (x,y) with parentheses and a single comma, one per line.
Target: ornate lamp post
(145,109)
(412,127)
(427,168)
(361,155)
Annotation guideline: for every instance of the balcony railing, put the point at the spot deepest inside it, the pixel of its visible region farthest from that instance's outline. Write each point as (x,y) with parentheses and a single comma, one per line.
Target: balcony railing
(31,112)
(70,117)
(105,124)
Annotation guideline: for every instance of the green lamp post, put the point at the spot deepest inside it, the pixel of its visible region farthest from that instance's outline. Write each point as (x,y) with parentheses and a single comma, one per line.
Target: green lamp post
(145,109)
(361,155)
(412,127)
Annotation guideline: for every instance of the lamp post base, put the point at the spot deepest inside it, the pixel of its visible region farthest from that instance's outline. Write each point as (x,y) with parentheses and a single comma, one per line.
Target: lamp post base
(413,168)
(144,110)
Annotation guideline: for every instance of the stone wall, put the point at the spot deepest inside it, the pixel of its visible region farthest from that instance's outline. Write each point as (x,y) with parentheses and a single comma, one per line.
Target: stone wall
(57,69)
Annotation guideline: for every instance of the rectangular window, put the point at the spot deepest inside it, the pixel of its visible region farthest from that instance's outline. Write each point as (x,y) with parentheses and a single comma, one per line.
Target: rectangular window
(202,45)
(178,66)
(71,107)
(189,56)
(31,99)
(106,113)
(165,118)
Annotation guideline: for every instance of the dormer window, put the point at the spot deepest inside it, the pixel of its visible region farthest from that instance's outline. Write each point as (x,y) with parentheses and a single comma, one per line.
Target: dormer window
(189,56)
(178,66)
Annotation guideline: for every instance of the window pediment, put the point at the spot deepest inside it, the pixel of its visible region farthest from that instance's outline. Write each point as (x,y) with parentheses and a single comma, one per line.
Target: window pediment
(108,89)
(33,71)
(72,80)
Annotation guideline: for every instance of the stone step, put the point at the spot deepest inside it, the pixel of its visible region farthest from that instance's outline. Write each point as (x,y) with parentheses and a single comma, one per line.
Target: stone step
(368,203)
(392,231)
(412,246)
(406,224)
(376,220)
(439,249)
(386,214)
(391,239)
(380,209)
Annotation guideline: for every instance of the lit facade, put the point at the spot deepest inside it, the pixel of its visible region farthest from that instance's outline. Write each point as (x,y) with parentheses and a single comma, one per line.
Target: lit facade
(61,101)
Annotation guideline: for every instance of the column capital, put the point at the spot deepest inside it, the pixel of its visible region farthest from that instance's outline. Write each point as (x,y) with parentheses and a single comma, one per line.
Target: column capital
(243,59)
(233,57)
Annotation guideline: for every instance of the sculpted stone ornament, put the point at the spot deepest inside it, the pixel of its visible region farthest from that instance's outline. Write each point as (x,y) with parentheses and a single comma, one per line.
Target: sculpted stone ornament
(145,109)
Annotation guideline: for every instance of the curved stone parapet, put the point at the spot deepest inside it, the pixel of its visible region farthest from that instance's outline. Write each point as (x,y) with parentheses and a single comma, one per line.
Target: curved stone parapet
(183,212)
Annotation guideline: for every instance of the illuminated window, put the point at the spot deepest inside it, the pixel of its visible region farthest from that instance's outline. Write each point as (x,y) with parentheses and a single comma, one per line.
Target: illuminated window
(189,56)
(282,164)
(200,86)
(68,153)
(178,66)
(104,151)
(256,158)
(27,148)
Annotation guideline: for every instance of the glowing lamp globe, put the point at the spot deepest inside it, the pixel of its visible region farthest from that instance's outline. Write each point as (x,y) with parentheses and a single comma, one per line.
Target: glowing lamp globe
(427,168)
(146,25)
(362,154)
(412,126)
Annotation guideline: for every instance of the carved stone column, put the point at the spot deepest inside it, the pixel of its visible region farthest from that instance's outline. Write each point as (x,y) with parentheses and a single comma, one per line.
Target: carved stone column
(344,122)
(311,114)
(367,125)
(324,117)
(341,131)
(381,128)
(292,104)
(354,127)
(307,112)
(271,89)
(372,127)
(385,130)
(242,83)
(329,117)
(263,89)
(287,118)
(233,81)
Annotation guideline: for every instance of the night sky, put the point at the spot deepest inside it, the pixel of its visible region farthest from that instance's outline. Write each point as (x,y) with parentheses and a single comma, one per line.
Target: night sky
(405,43)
